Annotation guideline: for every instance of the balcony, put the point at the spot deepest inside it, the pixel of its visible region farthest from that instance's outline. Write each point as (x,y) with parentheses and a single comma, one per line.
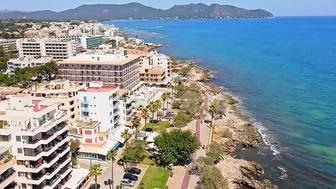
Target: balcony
(7,178)
(37,154)
(5,164)
(116,118)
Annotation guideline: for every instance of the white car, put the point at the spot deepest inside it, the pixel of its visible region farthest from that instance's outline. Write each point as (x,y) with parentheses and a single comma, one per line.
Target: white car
(126,182)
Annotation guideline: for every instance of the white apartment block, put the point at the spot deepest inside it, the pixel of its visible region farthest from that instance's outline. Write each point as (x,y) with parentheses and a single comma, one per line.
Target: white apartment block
(111,69)
(7,173)
(5,43)
(56,48)
(100,103)
(38,133)
(28,61)
(63,92)
(157,60)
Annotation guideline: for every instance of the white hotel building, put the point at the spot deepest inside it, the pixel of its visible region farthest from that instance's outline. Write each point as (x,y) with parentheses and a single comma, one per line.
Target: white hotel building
(38,134)
(28,61)
(56,48)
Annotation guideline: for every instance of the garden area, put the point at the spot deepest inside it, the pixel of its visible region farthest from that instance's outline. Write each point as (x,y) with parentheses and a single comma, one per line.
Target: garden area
(155,177)
(161,124)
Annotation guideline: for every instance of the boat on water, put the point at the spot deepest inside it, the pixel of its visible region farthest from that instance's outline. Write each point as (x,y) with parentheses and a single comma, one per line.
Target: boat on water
(160,26)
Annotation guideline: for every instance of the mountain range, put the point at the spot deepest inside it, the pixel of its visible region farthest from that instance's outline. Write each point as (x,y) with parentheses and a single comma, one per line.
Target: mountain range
(139,11)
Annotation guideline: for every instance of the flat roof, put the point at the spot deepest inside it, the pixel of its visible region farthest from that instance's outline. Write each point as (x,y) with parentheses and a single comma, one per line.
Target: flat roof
(77,177)
(156,70)
(104,88)
(121,91)
(88,124)
(92,62)
(101,149)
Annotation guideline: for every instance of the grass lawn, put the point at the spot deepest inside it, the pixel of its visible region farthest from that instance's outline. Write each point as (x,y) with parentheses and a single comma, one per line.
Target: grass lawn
(161,124)
(147,161)
(155,177)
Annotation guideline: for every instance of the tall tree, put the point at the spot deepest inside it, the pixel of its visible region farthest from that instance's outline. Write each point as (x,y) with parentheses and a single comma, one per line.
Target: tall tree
(11,49)
(176,146)
(50,69)
(74,145)
(157,105)
(135,151)
(145,114)
(96,171)
(164,98)
(111,155)
(213,109)
(181,119)
(125,136)
(152,109)
(211,178)
(136,123)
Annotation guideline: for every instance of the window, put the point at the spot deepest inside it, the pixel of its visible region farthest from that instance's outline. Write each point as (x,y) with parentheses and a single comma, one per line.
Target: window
(19,150)
(18,138)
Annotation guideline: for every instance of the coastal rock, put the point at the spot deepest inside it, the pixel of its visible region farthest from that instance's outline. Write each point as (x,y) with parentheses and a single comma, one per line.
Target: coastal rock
(246,171)
(259,169)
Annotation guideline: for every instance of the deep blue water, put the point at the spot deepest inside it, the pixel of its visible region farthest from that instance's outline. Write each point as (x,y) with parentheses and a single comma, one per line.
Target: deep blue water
(284,70)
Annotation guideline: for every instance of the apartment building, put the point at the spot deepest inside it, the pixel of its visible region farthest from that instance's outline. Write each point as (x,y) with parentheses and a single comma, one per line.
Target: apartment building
(38,133)
(7,173)
(100,103)
(5,43)
(91,42)
(62,92)
(26,61)
(153,75)
(111,69)
(156,59)
(56,48)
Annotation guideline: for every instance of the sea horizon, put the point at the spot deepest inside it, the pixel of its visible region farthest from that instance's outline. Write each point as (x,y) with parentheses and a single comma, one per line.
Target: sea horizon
(278,74)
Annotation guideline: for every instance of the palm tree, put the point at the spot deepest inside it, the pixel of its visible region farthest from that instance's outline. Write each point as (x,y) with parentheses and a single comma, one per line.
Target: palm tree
(140,107)
(164,98)
(157,105)
(145,114)
(111,155)
(34,85)
(11,48)
(125,136)
(213,109)
(136,123)
(96,171)
(152,108)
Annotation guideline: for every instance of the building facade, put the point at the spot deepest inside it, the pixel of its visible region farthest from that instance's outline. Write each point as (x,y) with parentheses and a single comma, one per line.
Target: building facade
(7,173)
(154,75)
(5,43)
(38,133)
(155,59)
(56,48)
(116,70)
(27,61)
(62,92)
(100,103)
(91,42)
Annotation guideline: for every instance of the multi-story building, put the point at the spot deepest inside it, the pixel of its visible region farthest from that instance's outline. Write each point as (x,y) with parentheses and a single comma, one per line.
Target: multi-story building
(63,92)
(111,69)
(100,103)
(7,173)
(153,75)
(91,42)
(26,61)
(5,43)
(156,59)
(56,48)
(38,134)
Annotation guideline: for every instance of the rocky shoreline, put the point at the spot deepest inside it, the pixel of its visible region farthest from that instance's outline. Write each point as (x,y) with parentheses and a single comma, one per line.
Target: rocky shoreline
(234,131)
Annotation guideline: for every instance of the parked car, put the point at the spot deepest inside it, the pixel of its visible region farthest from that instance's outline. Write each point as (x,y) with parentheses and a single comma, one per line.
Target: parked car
(133,170)
(130,176)
(93,186)
(126,182)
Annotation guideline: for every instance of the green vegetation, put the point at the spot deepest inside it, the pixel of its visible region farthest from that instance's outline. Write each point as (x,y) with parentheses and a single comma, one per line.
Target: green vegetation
(136,123)
(74,145)
(96,171)
(162,125)
(211,178)
(135,151)
(23,76)
(215,151)
(4,57)
(145,114)
(155,177)
(181,119)
(176,146)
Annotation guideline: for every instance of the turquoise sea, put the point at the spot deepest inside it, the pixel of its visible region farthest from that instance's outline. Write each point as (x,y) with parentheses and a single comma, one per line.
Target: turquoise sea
(284,71)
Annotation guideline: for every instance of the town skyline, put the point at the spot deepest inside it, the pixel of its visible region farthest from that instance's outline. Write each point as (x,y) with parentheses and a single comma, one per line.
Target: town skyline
(278,8)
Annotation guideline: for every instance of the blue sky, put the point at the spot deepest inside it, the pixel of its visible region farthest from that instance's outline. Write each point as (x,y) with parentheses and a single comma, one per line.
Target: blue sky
(277,7)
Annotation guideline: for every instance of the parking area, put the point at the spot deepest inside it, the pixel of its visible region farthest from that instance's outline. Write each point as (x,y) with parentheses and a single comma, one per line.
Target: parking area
(118,173)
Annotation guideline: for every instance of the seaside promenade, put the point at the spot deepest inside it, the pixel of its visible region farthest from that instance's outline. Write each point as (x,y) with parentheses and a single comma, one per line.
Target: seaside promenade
(182,178)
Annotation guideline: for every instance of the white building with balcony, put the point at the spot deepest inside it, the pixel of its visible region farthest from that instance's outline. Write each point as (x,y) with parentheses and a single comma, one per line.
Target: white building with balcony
(28,61)
(100,103)
(38,133)
(63,92)
(56,48)
(7,173)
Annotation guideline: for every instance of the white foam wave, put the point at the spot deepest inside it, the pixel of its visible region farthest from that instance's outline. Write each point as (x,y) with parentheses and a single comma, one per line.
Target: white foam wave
(283,175)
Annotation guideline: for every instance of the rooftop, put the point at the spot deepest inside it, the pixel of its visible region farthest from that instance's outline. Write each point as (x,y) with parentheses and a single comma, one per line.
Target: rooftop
(105,88)
(100,148)
(92,62)
(88,124)
(77,177)
(10,90)
(121,92)
(155,70)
